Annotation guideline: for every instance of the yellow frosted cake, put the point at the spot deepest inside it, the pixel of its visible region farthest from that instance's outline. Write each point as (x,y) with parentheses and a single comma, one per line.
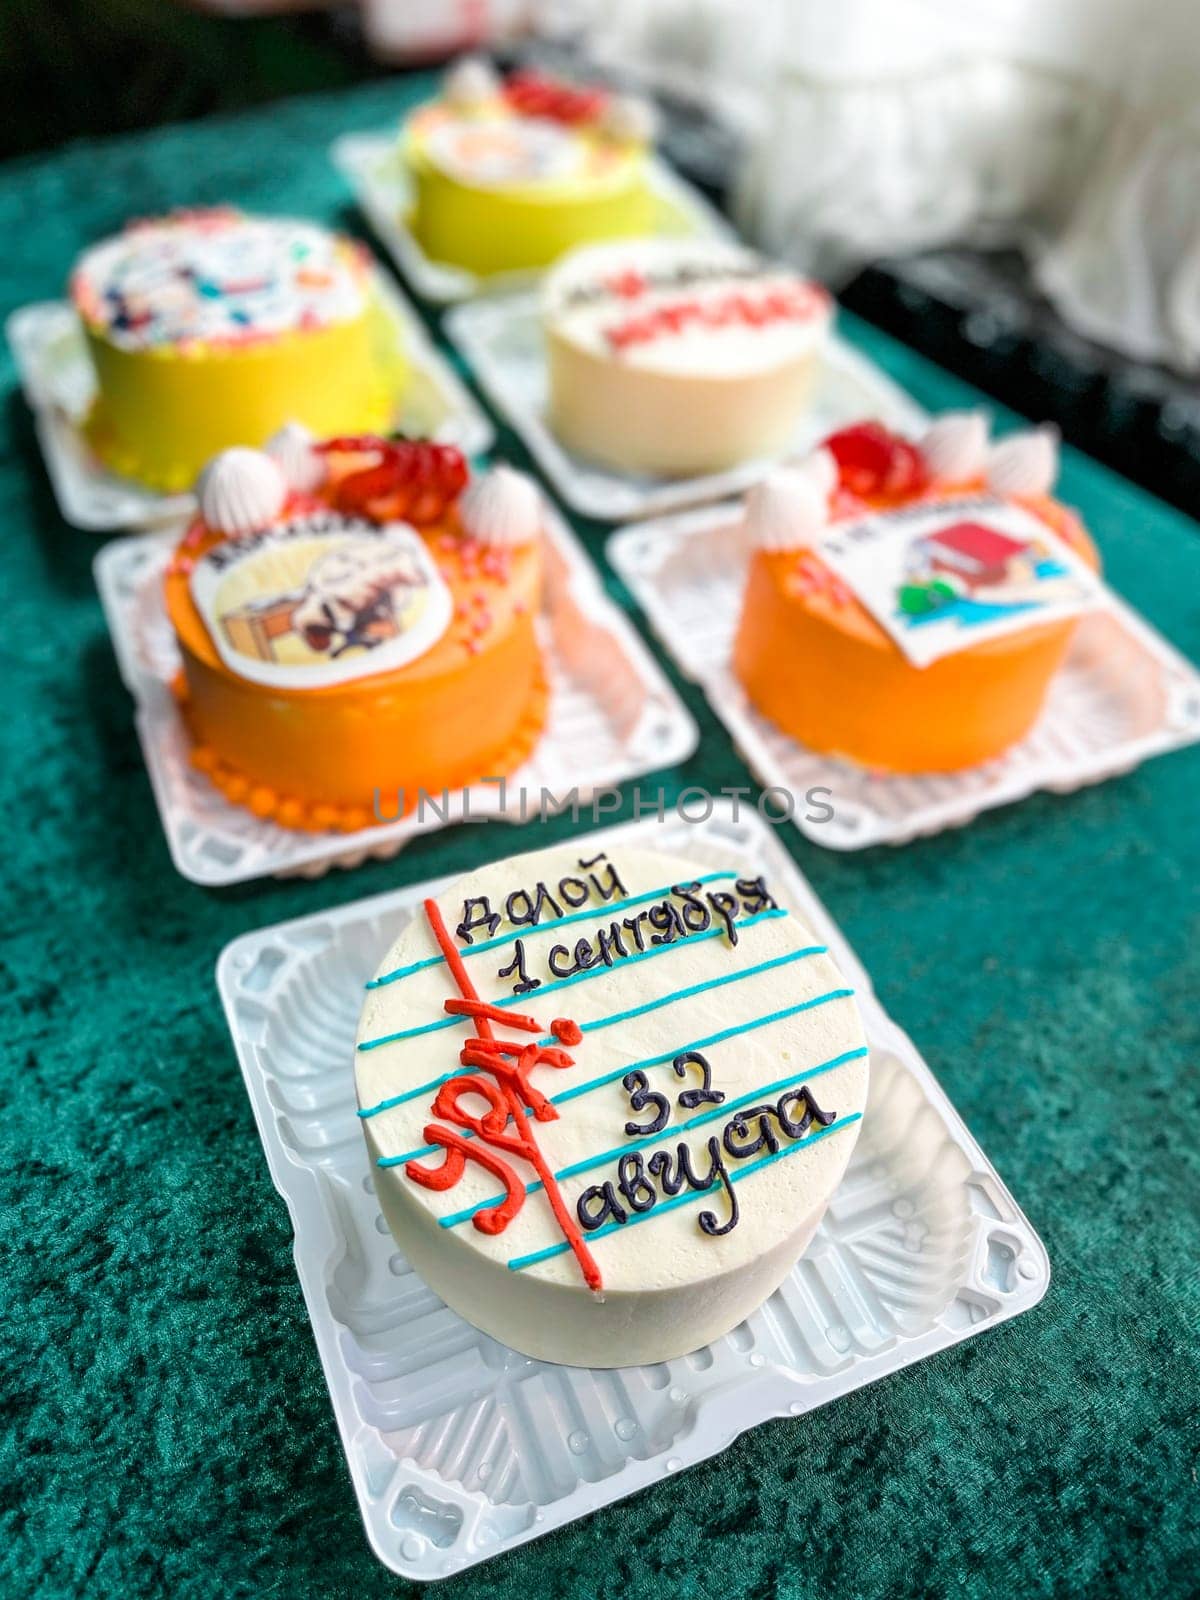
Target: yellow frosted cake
(209,329)
(507,175)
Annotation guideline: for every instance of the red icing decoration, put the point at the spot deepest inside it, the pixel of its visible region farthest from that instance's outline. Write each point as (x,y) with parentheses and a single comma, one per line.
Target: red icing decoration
(412,480)
(566,1031)
(751,308)
(458,1152)
(548,1056)
(874,462)
(507,1092)
(536,94)
(490,1053)
(490,1126)
(480,1008)
(628,284)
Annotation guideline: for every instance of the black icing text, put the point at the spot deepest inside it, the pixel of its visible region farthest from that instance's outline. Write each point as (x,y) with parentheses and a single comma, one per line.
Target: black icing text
(639,1183)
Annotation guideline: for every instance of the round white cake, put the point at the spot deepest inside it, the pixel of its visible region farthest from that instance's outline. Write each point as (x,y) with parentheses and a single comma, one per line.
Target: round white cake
(678,356)
(607,1099)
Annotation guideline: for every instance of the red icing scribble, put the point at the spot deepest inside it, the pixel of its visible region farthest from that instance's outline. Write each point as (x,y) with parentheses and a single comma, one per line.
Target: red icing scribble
(507,1091)
(749,308)
(480,1008)
(458,1152)
(629,284)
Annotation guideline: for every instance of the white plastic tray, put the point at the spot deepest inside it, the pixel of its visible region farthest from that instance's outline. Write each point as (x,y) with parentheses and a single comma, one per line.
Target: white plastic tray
(1123,695)
(613,716)
(57,377)
(502,342)
(458,1447)
(374,167)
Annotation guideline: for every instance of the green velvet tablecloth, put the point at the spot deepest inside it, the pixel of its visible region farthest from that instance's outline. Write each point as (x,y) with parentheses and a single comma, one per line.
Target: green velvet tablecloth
(167,1430)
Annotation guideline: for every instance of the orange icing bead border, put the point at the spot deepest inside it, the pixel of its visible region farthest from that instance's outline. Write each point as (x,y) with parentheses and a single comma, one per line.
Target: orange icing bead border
(287,812)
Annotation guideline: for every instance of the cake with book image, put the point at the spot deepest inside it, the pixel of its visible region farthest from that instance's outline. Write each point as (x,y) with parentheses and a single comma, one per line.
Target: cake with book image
(607,1097)
(356,619)
(908,603)
(508,173)
(674,357)
(209,329)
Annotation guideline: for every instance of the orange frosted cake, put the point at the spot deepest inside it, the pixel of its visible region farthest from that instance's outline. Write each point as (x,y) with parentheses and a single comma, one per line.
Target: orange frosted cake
(356,625)
(974,578)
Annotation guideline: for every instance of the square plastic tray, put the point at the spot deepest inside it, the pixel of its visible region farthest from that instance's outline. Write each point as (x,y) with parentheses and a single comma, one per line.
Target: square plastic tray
(373,166)
(458,1447)
(1123,695)
(613,716)
(502,342)
(57,377)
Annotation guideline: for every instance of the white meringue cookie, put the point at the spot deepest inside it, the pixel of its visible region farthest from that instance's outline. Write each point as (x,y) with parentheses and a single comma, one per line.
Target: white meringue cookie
(502,507)
(821,470)
(955,447)
(291,448)
(471,81)
(786,510)
(1025,463)
(241,491)
(630,120)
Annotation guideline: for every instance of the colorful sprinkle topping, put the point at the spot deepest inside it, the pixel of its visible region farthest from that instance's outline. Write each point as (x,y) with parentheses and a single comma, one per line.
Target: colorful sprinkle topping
(217,277)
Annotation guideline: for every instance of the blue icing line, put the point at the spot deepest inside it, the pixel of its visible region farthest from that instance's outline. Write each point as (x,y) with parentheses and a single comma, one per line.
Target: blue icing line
(651,1061)
(600,1022)
(553,988)
(612,908)
(703,1044)
(672,1130)
(709,983)
(736,1174)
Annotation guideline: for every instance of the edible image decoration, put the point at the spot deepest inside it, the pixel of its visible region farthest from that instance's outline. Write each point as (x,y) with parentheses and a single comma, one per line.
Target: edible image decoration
(218,277)
(945,577)
(496,151)
(321,600)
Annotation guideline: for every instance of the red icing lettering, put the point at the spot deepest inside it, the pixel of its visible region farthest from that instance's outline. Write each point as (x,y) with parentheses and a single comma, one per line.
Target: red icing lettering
(508,1093)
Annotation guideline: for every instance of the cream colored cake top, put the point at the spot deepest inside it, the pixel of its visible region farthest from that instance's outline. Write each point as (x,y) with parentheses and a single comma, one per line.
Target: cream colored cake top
(678,1057)
(684,307)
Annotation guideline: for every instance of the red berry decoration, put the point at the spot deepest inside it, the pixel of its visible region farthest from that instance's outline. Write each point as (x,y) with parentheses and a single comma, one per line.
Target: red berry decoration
(410,480)
(875,463)
(536,94)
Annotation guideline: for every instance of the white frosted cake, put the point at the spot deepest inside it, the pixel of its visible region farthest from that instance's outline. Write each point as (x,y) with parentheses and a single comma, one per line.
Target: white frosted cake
(675,356)
(607,1099)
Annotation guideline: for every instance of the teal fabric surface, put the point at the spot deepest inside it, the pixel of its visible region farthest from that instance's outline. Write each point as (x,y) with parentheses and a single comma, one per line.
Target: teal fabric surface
(167,1430)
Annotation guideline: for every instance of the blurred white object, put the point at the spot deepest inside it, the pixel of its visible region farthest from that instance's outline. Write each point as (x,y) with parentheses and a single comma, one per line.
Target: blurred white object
(955,447)
(1024,463)
(882,126)
(414,31)
(1126,268)
(470,81)
(631,119)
